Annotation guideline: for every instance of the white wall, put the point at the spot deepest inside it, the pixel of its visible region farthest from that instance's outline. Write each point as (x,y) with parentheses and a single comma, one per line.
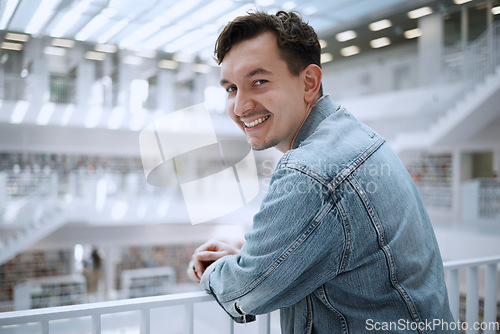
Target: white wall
(372,72)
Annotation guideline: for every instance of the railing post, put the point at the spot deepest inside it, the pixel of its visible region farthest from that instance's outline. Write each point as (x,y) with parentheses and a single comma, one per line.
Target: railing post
(454,292)
(490,296)
(231,325)
(45,326)
(265,324)
(472,299)
(96,324)
(189,319)
(145,321)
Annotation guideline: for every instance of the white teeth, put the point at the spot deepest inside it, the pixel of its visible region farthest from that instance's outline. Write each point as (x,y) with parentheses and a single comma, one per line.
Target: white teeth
(256,122)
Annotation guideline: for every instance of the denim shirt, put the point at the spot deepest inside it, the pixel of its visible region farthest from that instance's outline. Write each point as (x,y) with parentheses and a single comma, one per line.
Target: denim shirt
(342,242)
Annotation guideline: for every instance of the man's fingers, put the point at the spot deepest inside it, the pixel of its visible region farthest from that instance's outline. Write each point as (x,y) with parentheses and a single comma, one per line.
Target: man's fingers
(192,274)
(210,256)
(203,259)
(210,245)
(206,254)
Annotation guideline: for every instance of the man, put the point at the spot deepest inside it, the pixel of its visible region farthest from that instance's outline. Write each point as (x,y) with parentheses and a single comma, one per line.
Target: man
(342,242)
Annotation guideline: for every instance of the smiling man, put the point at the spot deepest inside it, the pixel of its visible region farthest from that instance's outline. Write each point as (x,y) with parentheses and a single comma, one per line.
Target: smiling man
(342,240)
(264,97)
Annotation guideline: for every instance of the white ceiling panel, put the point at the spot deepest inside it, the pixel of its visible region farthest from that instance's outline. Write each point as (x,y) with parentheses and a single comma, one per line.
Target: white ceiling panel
(23,14)
(172,25)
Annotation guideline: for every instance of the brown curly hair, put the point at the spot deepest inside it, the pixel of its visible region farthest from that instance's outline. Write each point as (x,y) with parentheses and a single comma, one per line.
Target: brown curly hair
(297,41)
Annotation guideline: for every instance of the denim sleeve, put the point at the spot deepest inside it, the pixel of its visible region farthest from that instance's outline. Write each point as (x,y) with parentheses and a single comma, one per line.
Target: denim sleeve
(295,245)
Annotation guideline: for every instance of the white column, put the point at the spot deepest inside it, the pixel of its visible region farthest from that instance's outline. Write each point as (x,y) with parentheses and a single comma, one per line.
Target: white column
(464,26)
(165,91)
(110,259)
(84,81)
(199,88)
(430,46)
(496,163)
(184,88)
(127,74)
(456,187)
(3,185)
(40,89)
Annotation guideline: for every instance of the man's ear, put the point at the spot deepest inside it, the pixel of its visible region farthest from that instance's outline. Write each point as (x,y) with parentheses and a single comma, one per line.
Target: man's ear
(312,81)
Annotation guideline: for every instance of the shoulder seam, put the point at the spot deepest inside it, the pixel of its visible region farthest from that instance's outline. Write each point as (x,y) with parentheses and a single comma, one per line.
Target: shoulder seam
(356,162)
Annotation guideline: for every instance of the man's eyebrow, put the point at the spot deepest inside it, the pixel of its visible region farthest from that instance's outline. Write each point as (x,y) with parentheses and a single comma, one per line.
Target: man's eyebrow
(257,71)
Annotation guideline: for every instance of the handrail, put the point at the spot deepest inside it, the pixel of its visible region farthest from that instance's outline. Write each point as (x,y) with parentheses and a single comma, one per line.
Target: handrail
(476,60)
(143,305)
(92,309)
(455,264)
(188,300)
(471,289)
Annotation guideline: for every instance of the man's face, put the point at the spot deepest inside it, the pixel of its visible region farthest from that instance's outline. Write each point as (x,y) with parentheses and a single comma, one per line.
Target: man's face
(263,97)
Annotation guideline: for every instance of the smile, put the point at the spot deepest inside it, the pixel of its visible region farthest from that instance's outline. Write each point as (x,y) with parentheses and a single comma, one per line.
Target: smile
(256,122)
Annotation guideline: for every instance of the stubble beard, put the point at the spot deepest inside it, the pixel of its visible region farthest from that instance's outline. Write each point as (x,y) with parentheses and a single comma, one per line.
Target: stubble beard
(265,145)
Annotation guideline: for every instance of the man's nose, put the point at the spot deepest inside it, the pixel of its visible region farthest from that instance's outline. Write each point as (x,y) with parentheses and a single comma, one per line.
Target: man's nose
(242,104)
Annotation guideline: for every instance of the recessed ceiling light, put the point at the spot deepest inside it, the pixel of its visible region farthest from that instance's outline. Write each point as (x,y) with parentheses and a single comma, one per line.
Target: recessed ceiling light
(379,25)
(108,48)
(11,46)
(17,37)
(495,10)
(93,55)
(168,64)
(416,13)
(64,43)
(412,33)
(326,57)
(346,35)
(201,68)
(380,42)
(349,51)
(460,2)
(323,43)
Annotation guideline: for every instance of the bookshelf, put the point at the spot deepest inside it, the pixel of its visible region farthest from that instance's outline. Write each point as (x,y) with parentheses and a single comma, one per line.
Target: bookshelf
(147,282)
(432,174)
(33,265)
(50,291)
(481,202)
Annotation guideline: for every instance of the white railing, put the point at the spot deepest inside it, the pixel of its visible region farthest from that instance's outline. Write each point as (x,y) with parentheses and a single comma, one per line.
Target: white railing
(470,285)
(475,61)
(186,313)
(197,312)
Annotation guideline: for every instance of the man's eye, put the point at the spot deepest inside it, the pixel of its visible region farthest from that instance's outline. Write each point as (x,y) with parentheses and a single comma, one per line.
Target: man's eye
(260,82)
(230,89)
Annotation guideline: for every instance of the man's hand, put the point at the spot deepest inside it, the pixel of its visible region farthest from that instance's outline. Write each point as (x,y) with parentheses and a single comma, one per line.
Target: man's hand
(205,255)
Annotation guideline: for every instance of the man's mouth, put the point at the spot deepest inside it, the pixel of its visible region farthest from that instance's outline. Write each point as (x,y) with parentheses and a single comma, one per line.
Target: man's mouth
(256,122)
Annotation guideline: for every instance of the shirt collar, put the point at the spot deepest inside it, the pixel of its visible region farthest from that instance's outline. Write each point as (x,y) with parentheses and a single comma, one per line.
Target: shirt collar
(323,108)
